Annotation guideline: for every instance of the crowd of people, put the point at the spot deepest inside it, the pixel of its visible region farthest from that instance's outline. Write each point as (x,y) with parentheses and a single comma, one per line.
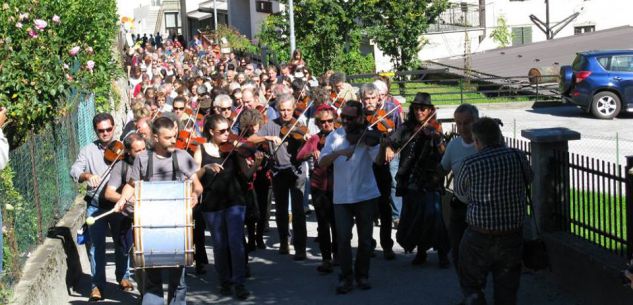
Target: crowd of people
(238,130)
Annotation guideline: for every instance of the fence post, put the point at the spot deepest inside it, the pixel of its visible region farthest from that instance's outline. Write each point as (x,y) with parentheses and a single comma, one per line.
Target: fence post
(629,206)
(461,90)
(548,190)
(36,187)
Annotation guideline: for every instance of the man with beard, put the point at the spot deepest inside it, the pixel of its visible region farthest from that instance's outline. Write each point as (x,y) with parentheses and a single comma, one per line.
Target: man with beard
(355,192)
(163,163)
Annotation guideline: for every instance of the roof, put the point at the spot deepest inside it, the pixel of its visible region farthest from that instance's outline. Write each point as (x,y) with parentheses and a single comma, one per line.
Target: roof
(517,61)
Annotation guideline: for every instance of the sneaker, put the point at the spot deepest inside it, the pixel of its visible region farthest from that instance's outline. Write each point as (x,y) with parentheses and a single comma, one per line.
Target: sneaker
(241,292)
(95,295)
(363,283)
(325,267)
(125,285)
(344,286)
(389,255)
(419,259)
(225,289)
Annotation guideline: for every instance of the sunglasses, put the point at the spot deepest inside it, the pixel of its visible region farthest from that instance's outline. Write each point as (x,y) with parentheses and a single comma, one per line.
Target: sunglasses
(179,108)
(104,130)
(223,108)
(222,131)
(326,121)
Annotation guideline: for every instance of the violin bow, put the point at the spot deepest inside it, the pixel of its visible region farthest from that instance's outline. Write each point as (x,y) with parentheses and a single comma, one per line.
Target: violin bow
(291,128)
(195,115)
(416,132)
(239,138)
(372,125)
(237,114)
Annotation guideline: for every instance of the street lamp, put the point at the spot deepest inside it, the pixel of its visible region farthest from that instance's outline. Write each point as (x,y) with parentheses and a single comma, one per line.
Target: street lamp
(291,22)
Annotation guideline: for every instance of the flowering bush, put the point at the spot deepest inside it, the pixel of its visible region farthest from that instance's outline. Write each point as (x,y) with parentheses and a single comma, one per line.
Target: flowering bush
(49,49)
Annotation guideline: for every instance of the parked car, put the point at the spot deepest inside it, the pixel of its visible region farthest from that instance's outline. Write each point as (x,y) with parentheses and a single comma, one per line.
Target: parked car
(600,82)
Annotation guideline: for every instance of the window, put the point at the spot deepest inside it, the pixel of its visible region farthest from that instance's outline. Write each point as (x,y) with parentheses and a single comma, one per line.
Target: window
(604,62)
(584,29)
(172,22)
(157,2)
(622,63)
(521,35)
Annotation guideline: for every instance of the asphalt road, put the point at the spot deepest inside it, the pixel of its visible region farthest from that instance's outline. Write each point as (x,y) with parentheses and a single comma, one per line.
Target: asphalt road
(277,279)
(598,137)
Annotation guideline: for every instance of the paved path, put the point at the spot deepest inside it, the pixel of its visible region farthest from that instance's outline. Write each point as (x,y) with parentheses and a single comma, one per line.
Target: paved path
(278,279)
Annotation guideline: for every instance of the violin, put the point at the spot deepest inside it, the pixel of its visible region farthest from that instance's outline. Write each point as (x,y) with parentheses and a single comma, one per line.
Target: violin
(243,149)
(199,116)
(115,151)
(301,106)
(337,102)
(294,130)
(262,111)
(365,136)
(188,142)
(380,120)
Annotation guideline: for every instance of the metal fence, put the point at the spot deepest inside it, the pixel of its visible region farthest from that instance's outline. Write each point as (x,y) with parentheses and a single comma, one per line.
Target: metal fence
(595,201)
(450,89)
(42,190)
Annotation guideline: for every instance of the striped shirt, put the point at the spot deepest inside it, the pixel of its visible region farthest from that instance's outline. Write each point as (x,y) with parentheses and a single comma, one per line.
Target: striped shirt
(494,183)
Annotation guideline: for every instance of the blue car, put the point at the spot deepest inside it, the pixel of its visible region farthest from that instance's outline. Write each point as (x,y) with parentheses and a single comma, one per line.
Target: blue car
(600,82)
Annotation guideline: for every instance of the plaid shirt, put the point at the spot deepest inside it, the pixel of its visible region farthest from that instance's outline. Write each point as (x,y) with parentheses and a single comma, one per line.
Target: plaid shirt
(494,183)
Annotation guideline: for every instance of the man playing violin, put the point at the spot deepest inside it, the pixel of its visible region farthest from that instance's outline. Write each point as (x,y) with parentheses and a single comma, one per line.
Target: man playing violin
(119,224)
(321,186)
(355,193)
(418,141)
(179,109)
(370,97)
(341,89)
(223,105)
(90,166)
(288,176)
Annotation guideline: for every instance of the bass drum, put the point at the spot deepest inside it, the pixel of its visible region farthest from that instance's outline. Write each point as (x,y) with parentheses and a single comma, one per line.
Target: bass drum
(163,224)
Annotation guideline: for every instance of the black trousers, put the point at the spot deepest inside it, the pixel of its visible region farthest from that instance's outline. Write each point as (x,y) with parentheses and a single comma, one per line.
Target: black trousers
(384,210)
(456,227)
(262,185)
(286,182)
(324,209)
(480,254)
(200,252)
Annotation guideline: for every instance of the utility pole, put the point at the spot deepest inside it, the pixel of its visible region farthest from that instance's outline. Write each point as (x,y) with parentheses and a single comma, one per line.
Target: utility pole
(551,31)
(291,22)
(215,16)
(184,22)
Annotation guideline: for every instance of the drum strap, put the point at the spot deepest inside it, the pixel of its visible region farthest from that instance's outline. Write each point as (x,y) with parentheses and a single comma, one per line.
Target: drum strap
(150,166)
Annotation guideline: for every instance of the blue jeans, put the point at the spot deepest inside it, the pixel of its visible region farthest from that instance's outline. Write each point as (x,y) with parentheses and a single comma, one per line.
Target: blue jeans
(395,200)
(227,229)
(97,246)
(176,291)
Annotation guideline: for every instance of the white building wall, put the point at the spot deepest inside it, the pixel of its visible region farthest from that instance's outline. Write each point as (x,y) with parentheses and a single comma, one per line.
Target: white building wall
(603,14)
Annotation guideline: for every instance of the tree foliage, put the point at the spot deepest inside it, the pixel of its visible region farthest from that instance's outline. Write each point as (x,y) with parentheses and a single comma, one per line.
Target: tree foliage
(396,26)
(38,63)
(501,34)
(326,31)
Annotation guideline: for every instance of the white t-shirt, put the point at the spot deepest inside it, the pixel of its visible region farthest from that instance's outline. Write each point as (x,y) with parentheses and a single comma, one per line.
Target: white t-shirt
(354,179)
(456,151)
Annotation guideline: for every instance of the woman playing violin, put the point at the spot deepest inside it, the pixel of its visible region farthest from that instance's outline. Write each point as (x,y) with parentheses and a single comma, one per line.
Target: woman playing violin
(223,176)
(419,181)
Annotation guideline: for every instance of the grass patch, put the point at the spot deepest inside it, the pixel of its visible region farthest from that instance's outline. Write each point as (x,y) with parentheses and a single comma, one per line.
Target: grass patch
(595,215)
(450,94)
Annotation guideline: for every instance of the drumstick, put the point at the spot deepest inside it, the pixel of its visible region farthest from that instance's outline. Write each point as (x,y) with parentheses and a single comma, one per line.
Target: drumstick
(91,220)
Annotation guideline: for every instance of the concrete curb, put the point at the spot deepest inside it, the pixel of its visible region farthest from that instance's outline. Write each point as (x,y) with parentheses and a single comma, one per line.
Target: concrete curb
(54,268)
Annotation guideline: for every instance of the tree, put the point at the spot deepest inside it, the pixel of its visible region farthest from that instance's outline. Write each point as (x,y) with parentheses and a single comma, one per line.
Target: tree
(327,32)
(397,26)
(501,34)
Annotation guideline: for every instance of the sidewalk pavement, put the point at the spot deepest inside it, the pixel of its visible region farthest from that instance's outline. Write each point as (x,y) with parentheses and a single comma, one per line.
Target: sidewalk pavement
(277,279)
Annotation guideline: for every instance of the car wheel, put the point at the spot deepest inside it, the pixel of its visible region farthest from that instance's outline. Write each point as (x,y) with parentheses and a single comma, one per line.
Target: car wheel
(606,105)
